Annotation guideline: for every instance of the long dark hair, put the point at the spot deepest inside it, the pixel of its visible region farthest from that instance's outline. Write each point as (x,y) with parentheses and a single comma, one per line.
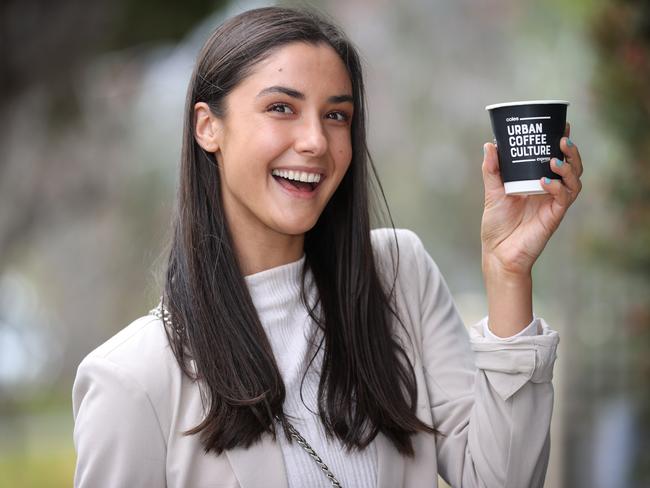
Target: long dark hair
(367,383)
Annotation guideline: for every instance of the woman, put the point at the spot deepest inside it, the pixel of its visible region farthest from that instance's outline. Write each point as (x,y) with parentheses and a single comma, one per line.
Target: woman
(285,318)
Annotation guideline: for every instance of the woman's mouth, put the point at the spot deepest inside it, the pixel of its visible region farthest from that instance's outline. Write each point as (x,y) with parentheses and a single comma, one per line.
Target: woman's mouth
(298,183)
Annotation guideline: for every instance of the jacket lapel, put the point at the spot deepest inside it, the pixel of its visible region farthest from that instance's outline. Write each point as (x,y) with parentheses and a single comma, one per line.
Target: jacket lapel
(390,464)
(261,464)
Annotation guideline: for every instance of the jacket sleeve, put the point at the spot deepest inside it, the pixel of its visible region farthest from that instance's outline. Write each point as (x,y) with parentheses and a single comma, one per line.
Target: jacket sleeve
(116,431)
(491,398)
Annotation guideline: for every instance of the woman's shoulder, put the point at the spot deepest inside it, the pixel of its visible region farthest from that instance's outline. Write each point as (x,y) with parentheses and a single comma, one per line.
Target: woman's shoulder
(123,400)
(139,352)
(388,244)
(400,256)
(144,338)
(385,238)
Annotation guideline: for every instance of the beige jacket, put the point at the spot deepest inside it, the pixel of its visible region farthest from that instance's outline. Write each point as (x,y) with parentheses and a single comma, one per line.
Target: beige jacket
(491,398)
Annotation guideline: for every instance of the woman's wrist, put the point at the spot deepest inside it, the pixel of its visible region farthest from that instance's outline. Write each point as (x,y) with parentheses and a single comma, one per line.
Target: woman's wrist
(510,299)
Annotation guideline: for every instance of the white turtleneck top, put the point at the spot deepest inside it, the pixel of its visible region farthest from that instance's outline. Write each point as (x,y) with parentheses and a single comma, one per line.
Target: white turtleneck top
(276,295)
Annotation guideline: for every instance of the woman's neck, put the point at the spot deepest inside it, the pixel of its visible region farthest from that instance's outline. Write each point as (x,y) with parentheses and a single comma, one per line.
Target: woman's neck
(257,254)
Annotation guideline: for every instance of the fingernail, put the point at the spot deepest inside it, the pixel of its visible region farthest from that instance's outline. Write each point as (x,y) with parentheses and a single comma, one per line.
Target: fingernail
(569,142)
(559,163)
(484,149)
(547,181)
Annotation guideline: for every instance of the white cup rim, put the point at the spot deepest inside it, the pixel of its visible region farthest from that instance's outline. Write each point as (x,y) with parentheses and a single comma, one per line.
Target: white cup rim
(526,102)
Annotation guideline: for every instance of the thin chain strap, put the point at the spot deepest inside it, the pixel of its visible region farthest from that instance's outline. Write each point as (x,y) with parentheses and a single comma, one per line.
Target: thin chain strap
(310,450)
(164,315)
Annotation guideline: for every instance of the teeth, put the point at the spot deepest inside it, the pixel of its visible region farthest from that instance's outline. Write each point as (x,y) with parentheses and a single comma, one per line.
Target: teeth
(297,175)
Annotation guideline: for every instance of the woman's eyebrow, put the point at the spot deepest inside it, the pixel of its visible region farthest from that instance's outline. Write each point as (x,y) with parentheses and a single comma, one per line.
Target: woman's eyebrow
(301,96)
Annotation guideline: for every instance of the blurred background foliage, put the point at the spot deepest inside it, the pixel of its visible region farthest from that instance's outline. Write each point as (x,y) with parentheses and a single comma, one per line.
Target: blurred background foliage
(621,34)
(91,105)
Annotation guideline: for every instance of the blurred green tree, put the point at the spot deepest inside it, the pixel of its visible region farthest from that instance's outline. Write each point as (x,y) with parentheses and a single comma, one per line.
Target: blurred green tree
(621,32)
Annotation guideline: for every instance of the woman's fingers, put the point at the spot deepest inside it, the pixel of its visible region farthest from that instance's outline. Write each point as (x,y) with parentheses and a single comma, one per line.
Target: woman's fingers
(572,155)
(568,173)
(562,197)
(566,190)
(490,167)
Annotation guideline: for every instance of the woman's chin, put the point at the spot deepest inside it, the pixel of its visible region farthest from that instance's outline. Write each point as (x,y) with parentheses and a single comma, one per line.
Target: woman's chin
(296,228)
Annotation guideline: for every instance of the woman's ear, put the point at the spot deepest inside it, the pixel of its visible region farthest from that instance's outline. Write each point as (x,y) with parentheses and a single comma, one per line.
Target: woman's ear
(207,127)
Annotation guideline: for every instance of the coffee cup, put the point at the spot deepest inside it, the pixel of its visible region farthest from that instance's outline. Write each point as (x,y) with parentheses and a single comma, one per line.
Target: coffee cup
(527,135)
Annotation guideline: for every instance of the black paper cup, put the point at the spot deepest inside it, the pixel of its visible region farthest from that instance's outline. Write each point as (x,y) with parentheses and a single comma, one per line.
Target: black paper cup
(527,135)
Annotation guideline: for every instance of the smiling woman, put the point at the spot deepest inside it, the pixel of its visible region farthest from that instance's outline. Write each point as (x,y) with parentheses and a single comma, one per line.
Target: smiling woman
(285,317)
(292,113)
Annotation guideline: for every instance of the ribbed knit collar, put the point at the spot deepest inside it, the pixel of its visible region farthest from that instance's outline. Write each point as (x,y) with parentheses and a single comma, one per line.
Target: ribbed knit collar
(275,287)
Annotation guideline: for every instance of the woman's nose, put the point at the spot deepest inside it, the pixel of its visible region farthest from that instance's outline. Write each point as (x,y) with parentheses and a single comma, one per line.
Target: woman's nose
(310,137)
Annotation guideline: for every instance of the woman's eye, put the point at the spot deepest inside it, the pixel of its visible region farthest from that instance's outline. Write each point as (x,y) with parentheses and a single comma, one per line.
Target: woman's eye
(339,116)
(282,108)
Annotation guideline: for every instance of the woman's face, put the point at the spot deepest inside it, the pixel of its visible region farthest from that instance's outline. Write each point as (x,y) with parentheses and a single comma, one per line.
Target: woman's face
(293,112)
